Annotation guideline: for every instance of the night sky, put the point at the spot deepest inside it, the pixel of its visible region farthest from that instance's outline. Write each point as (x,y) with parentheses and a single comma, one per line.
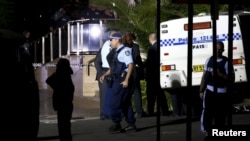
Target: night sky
(35,15)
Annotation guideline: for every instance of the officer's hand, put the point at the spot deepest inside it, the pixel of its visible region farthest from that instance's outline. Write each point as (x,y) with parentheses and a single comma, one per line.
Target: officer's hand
(201,95)
(219,74)
(124,84)
(102,78)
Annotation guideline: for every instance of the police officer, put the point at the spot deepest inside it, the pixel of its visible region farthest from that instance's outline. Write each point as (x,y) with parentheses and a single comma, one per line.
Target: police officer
(102,65)
(120,100)
(215,101)
(138,73)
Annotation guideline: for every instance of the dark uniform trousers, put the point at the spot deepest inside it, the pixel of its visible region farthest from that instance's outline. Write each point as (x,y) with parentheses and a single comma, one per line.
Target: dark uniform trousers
(120,102)
(216,109)
(103,94)
(106,103)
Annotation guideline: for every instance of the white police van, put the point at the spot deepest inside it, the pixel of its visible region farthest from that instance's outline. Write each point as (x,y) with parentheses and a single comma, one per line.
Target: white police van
(174,48)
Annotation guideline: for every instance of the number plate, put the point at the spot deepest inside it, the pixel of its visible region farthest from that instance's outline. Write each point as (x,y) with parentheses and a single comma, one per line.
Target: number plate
(198,68)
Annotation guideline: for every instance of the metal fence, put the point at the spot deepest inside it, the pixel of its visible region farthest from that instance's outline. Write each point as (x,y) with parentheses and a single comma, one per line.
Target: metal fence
(78,37)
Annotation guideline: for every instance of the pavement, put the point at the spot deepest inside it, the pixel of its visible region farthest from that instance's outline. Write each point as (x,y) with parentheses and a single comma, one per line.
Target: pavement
(170,129)
(87,126)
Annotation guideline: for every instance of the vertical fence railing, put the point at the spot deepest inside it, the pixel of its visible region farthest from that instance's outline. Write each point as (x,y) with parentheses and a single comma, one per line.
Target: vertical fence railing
(43,50)
(79,38)
(51,46)
(68,38)
(59,42)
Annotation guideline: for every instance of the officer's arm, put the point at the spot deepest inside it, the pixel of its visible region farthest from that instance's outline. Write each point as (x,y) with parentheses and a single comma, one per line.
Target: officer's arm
(98,62)
(130,70)
(226,76)
(105,74)
(202,85)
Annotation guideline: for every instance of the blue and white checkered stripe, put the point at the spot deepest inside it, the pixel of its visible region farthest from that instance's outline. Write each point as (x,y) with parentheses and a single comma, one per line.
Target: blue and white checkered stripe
(197,40)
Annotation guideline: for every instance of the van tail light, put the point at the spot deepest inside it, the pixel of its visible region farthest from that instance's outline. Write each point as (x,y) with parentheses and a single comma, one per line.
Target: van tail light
(237,61)
(166,54)
(167,67)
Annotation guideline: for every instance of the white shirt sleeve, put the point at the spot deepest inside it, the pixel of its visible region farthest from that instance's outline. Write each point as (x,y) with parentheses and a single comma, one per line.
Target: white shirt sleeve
(104,52)
(126,56)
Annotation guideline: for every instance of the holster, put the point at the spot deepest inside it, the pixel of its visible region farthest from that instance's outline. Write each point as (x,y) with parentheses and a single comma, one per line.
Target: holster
(109,80)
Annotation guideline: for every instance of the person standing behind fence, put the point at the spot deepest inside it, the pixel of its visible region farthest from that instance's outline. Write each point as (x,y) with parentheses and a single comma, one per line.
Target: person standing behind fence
(215,103)
(63,93)
(153,84)
(138,72)
(59,20)
(92,14)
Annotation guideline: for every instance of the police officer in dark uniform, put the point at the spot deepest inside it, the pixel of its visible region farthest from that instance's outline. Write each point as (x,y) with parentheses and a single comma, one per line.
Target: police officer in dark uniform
(215,101)
(120,71)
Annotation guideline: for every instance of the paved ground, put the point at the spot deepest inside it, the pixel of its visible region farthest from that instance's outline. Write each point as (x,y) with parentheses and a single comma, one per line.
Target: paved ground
(86,124)
(84,107)
(171,129)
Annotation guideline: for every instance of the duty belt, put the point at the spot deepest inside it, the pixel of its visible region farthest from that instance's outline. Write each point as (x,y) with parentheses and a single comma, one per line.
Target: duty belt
(120,74)
(105,68)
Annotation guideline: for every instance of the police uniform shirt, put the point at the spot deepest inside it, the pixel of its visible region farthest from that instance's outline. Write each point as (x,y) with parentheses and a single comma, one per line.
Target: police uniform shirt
(125,56)
(104,52)
(210,87)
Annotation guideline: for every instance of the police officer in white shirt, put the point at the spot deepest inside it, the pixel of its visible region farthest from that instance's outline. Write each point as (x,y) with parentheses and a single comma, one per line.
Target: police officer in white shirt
(120,99)
(102,65)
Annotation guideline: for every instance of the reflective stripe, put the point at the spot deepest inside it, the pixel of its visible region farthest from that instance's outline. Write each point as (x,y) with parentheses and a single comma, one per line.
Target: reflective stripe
(197,40)
(219,90)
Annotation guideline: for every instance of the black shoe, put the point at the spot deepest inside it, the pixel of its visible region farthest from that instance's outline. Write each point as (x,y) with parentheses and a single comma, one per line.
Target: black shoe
(141,115)
(152,114)
(128,128)
(104,117)
(115,128)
